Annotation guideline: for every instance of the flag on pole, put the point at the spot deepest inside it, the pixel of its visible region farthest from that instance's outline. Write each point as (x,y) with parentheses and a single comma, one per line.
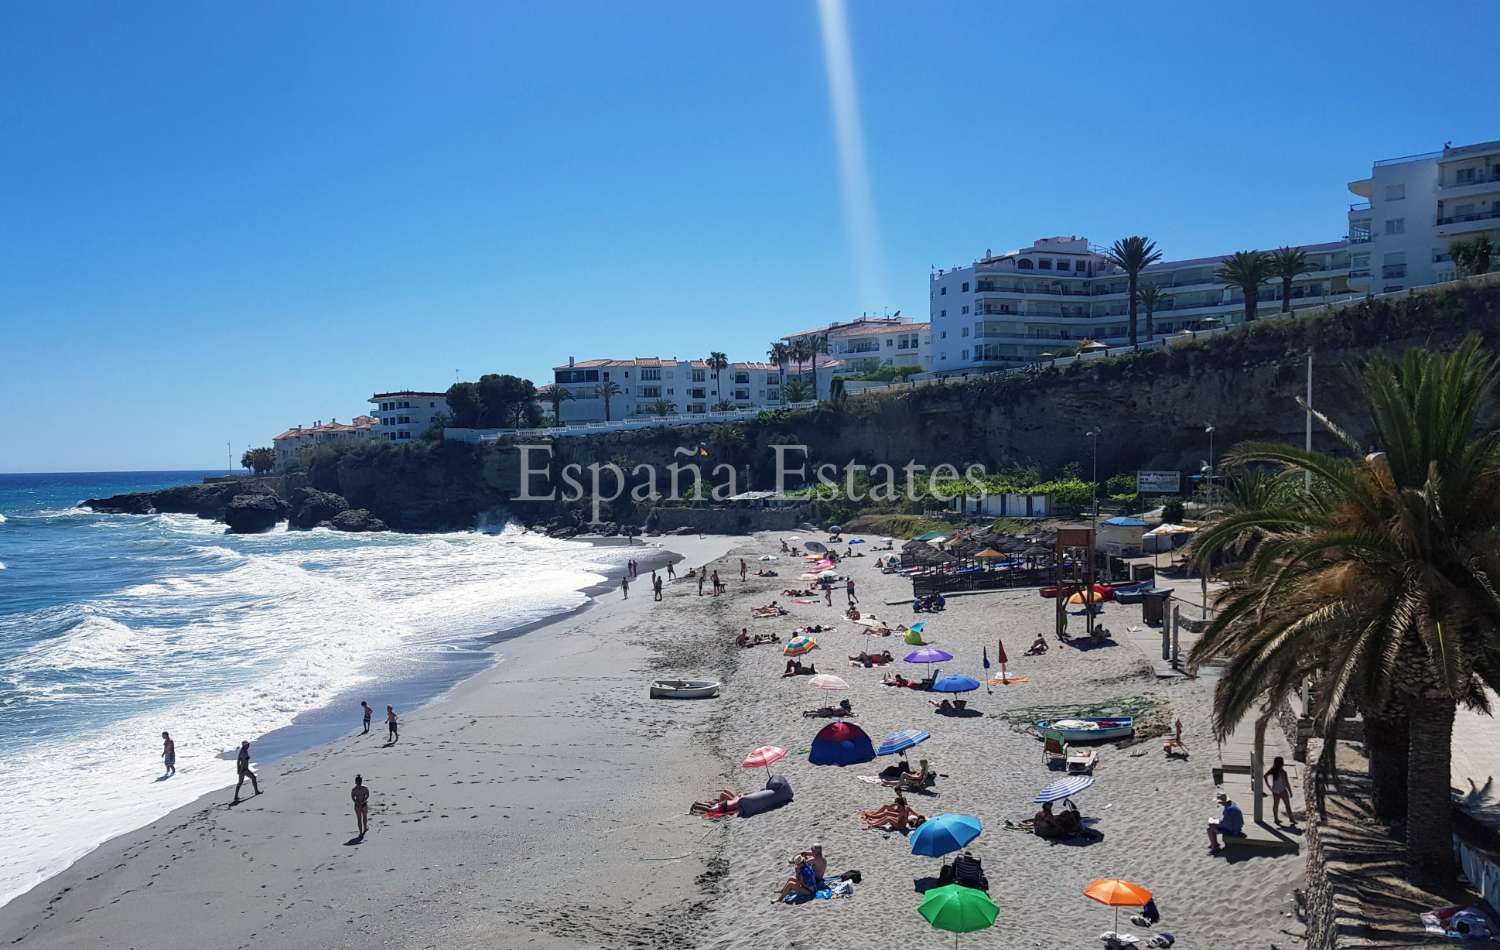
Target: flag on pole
(987,676)
(1000,658)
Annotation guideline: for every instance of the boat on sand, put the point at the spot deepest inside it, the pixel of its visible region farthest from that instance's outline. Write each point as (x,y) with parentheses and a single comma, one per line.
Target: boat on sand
(1088,730)
(684,689)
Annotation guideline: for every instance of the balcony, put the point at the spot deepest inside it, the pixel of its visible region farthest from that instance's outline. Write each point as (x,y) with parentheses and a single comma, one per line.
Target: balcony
(1484,215)
(1359,206)
(1017,289)
(1360,237)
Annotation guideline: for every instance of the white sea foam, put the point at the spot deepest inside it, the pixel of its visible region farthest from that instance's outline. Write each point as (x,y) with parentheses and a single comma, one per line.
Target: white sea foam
(247,634)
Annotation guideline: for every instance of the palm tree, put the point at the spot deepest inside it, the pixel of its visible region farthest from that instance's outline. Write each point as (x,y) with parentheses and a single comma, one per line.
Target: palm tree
(1473,257)
(1133,255)
(723,405)
(1151,297)
(259,461)
(1246,270)
(817,343)
(800,350)
(1380,581)
(661,407)
(556,395)
(796,390)
(780,353)
(717,362)
(1288,263)
(607,391)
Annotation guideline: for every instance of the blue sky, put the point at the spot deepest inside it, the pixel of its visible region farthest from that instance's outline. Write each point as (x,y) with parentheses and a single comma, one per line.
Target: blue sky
(218,220)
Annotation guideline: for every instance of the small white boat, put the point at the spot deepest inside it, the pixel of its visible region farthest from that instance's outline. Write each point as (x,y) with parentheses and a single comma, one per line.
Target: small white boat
(684,689)
(1089,730)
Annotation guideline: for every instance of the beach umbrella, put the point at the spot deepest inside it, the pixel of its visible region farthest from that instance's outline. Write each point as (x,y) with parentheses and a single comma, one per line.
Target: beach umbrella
(956,684)
(835,529)
(958,909)
(928,655)
(763,756)
(1063,788)
(944,834)
(1112,892)
(901,741)
(797,646)
(830,574)
(988,554)
(857,541)
(827,681)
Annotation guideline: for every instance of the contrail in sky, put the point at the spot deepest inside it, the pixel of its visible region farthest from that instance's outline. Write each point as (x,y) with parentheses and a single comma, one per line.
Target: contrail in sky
(859,207)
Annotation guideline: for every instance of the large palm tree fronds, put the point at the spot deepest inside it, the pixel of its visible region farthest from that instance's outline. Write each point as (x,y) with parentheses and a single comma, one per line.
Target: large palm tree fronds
(1289,263)
(1246,270)
(1133,255)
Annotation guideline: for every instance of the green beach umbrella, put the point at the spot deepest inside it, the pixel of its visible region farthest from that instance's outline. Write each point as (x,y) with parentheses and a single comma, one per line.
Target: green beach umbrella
(958,909)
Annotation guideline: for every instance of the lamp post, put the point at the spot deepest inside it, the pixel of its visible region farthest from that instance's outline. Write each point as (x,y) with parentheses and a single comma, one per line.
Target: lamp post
(1210,430)
(1093,435)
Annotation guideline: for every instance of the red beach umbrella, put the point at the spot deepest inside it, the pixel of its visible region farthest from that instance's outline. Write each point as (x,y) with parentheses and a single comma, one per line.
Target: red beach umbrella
(764,756)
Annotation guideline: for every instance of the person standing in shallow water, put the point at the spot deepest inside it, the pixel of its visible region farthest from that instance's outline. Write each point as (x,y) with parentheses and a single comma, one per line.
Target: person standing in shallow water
(169,753)
(242,766)
(625,585)
(361,797)
(391,724)
(368,713)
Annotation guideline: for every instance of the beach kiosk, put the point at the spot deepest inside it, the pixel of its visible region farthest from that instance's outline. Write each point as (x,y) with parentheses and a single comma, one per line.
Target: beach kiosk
(1121,536)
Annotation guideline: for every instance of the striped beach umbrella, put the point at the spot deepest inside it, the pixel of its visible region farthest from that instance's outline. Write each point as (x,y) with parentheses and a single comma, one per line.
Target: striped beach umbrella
(763,757)
(901,741)
(1063,788)
(797,646)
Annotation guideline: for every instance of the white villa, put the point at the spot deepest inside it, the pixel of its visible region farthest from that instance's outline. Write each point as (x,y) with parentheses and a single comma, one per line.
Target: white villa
(297,438)
(404,415)
(647,383)
(865,344)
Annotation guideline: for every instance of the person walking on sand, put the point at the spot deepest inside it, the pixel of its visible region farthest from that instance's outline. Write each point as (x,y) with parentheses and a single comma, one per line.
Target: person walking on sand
(169,753)
(625,585)
(368,713)
(361,797)
(242,766)
(849,588)
(718,584)
(828,593)
(701,574)
(744,569)
(656,585)
(392,725)
(671,572)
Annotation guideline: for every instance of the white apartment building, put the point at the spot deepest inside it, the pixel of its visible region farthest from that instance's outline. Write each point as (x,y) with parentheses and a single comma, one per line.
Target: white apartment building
(1012,308)
(865,344)
(685,386)
(299,437)
(405,415)
(1414,206)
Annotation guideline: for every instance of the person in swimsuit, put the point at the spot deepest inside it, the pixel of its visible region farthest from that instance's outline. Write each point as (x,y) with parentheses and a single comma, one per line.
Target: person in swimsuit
(361,796)
(744,569)
(1281,790)
(242,766)
(390,724)
(169,753)
(625,585)
(368,713)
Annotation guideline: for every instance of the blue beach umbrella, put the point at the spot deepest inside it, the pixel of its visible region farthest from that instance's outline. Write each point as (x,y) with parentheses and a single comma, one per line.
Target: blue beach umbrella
(857,541)
(1063,788)
(955,684)
(901,741)
(944,834)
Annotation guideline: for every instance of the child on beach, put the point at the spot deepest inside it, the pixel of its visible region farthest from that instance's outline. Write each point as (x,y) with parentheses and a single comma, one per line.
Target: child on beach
(368,713)
(391,724)
(169,753)
(361,796)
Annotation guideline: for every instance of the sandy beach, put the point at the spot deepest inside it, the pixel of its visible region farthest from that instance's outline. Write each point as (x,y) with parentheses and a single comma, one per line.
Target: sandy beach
(543,802)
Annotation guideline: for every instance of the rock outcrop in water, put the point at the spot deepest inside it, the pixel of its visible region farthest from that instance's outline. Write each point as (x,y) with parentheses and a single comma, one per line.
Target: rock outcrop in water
(311,508)
(252,514)
(356,519)
(208,500)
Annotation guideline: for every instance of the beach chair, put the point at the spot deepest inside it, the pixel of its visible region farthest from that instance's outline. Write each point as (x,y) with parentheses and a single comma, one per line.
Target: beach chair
(1055,750)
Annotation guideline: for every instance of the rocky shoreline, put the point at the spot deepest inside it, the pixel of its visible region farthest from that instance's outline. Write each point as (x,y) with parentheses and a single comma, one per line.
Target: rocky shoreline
(247,506)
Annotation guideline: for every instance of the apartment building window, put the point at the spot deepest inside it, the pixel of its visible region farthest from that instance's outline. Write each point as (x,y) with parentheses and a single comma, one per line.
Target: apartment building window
(651,392)
(1395,225)
(1078,266)
(670,391)
(1395,192)
(1062,265)
(699,375)
(966,287)
(966,308)
(965,355)
(942,313)
(742,394)
(698,393)
(1023,264)
(742,378)
(650,374)
(943,335)
(1393,266)
(966,331)
(1464,176)
(942,291)
(1044,264)
(889,341)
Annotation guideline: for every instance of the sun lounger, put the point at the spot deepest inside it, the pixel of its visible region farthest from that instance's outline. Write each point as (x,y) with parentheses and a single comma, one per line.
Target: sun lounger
(1055,750)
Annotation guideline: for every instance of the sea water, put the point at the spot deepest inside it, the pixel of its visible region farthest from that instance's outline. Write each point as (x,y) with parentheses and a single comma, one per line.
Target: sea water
(114,628)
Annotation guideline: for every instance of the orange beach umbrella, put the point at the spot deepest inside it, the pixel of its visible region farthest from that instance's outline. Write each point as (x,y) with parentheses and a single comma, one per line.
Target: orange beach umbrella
(1113,892)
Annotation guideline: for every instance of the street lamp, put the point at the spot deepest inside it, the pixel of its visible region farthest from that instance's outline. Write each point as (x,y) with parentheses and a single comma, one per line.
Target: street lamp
(1093,435)
(1210,430)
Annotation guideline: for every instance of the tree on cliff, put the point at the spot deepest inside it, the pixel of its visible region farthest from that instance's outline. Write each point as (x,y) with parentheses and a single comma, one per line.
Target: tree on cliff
(608,390)
(1380,582)
(1288,263)
(661,407)
(1133,255)
(780,354)
(1246,270)
(496,401)
(555,396)
(259,460)
(1151,297)
(717,362)
(796,390)
(1473,257)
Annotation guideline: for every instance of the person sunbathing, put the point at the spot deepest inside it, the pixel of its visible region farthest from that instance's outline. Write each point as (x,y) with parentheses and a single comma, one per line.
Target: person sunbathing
(852,613)
(896,816)
(844,708)
(794,667)
(919,779)
(726,802)
(1038,646)
(1044,823)
(743,640)
(773,609)
(895,679)
(763,572)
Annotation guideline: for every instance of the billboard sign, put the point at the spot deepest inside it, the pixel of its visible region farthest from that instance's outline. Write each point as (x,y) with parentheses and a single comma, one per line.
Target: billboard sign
(1158,483)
